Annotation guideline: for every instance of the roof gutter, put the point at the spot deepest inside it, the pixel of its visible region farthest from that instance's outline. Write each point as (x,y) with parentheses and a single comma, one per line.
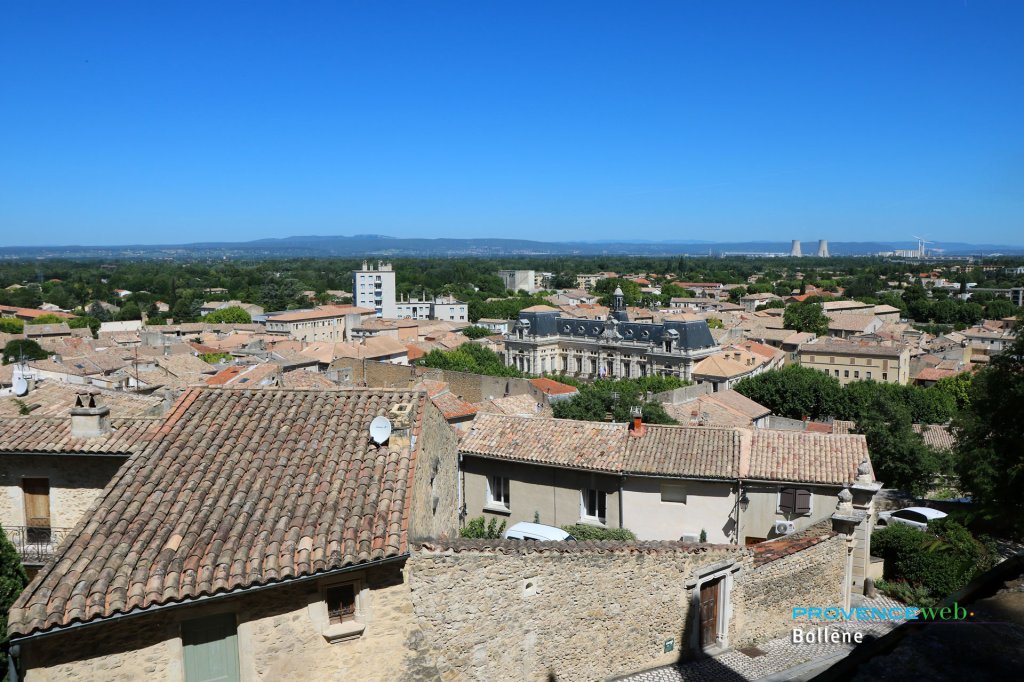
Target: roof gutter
(206,598)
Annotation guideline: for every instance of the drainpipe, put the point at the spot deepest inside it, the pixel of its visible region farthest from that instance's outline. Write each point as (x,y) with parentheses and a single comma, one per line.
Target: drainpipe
(622,485)
(459,480)
(13,652)
(739,494)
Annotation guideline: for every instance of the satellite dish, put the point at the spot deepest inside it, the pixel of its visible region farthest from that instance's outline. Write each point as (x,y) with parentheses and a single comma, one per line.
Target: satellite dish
(380,430)
(20,386)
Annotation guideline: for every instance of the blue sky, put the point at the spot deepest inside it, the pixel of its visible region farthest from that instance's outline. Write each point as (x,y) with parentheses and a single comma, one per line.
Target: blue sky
(167,122)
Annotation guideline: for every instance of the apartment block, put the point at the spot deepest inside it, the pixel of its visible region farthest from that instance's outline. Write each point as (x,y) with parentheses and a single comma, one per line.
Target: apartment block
(848,361)
(374,288)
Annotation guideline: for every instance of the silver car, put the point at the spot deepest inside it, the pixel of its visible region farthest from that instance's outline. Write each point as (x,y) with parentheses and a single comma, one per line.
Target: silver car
(918,517)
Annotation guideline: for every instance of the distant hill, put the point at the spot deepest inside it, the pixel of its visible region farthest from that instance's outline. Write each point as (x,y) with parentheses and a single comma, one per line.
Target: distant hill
(383,246)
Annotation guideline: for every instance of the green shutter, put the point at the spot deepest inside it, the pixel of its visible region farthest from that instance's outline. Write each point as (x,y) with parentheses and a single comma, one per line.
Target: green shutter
(211,649)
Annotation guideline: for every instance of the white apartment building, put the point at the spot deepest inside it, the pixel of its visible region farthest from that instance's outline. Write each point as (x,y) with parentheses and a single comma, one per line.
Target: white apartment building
(375,289)
(519,279)
(445,308)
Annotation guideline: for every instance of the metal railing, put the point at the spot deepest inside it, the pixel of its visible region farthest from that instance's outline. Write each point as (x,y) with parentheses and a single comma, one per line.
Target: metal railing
(36,545)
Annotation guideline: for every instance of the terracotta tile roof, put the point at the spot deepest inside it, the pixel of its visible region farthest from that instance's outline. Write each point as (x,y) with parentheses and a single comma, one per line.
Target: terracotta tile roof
(706,452)
(320,313)
(552,387)
(452,406)
(740,403)
(246,375)
(594,446)
(806,457)
(53,435)
(55,399)
(692,451)
(539,309)
(308,380)
(779,548)
(523,405)
(934,374)
(842,426)
(936,436)
(824,347)
(238,488)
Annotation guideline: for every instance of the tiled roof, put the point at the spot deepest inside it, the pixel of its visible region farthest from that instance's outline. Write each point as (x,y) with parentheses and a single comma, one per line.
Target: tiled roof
(523,405)
(501,546)
(822,347)
(320,313)
(934,374)
(539,309)
(452,406)
(806,457)
(53,435)
(552,387)
(936,436)
(705,452)
(55,399)
(692,451)
(310,380)
(779,548)
(238,488)
(741,403)
(562,442)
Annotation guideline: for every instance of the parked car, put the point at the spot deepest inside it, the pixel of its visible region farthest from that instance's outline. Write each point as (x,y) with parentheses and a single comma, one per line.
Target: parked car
(918,517)
(536,531)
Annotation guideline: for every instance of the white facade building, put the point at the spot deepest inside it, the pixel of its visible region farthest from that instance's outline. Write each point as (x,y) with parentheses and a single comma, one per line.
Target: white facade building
(375,289)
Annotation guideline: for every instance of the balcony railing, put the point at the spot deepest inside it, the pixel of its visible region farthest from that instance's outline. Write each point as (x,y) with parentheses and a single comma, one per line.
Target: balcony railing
(36,545)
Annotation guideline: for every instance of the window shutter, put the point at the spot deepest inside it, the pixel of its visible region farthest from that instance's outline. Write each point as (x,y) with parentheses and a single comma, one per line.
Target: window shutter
(787,500)
(803,501)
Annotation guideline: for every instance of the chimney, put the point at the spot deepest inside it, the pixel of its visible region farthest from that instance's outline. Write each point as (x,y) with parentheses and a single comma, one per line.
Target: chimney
(89,417)
(401,425)
(637,425)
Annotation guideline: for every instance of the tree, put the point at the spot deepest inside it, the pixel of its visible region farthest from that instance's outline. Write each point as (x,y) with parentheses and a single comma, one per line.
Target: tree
(594,401)
(989,433)
(475,332)
(47,319)
(469,357)
(130,311)
(98,311)
(229,315)
(85,321)
(13,580)
(481,528)
(998,308)
(11,325)
(794,391)
(806,317)
(27,348)
(606,287)
(958,386)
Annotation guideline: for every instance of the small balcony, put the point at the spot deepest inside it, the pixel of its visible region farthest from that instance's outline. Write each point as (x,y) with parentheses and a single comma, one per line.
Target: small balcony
(36,545)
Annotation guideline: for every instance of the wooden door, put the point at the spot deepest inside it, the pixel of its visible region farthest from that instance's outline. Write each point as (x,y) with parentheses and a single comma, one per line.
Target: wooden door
(37,502)
(211,649)
(710,593)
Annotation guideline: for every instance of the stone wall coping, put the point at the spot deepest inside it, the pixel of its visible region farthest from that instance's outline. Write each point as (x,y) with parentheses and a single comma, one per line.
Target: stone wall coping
(502,546)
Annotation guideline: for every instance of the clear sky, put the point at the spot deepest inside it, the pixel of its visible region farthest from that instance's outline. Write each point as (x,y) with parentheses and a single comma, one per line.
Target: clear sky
(165,122)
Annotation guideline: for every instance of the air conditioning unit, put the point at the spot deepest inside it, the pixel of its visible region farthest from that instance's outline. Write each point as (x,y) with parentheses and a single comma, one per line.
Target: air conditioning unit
(785,527)
(689,537)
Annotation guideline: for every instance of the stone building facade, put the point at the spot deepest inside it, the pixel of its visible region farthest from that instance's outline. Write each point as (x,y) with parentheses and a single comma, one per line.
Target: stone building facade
(544,341)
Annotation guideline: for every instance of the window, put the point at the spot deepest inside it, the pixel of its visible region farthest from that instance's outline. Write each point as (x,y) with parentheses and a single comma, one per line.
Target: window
(344,607)
(673,493)
(885,376)
(794,501)
(341,603)
(868,374)
(846,373)
(856,374)
(497,492)
(36,492)
(837,372)
(594,505)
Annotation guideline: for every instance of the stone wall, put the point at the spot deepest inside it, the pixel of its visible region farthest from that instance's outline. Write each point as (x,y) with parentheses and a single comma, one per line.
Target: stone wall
(574,612)
(805,576)
(279,638)
(75,483)
(435,492)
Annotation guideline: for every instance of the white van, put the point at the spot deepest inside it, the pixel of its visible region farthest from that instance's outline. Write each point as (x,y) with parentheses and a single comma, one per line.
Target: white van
(536,531)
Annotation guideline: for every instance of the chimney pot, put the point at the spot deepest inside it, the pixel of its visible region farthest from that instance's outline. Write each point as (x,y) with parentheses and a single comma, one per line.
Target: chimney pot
(89,417)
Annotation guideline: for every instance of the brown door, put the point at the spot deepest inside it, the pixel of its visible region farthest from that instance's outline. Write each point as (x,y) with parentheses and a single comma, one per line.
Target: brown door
(709,596)
(37,508)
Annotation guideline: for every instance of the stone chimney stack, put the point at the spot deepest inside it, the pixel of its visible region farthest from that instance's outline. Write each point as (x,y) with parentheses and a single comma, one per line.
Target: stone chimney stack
(401,425)
(89,417)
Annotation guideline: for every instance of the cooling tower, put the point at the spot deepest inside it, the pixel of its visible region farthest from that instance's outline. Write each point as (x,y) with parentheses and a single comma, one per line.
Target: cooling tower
(822,248)
(794,250)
